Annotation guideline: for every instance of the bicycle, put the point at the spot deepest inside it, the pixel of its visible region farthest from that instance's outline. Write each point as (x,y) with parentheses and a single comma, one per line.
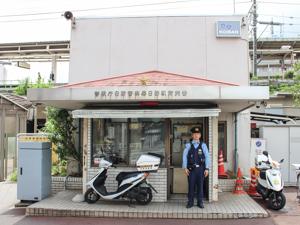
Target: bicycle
(297,167)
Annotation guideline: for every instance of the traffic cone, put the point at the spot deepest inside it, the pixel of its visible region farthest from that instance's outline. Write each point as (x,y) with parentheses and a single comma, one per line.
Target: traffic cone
(239,184)
(221,171)
(252,188)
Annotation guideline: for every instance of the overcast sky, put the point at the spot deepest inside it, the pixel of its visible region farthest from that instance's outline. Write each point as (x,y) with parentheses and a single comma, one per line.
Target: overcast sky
(17,24)
(41,20)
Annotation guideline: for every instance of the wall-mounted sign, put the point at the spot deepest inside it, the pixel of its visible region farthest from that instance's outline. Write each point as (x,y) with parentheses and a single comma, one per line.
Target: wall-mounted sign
(24,65)
(228,29)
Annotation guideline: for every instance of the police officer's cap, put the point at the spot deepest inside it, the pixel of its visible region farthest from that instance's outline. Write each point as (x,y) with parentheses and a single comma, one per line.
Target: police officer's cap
(196,130)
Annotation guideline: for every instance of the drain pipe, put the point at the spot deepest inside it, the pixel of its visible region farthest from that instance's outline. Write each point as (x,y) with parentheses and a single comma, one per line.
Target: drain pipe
(235,144)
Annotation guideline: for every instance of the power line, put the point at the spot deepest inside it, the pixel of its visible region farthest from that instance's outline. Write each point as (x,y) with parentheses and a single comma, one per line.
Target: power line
(279,3)
(262,32)
(112,7)
(290,17)
(28,20)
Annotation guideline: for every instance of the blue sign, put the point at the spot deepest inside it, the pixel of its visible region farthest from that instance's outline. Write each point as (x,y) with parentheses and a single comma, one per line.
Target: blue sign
(228,28)
(258,143)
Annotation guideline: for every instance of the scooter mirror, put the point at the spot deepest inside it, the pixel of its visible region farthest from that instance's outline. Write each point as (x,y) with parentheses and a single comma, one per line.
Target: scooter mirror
(281,161)
(265,153)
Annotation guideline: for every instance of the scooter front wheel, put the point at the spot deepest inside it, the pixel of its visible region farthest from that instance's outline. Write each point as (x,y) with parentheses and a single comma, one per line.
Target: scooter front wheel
(276,200)
(91,196)
(144,197)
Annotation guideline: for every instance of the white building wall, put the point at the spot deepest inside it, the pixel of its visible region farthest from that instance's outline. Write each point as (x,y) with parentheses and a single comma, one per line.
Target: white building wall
(184,45)
(243,142)
(3,73)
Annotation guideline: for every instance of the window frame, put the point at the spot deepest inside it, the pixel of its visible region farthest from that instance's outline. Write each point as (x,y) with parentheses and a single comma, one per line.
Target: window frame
(225,153)
(128,122)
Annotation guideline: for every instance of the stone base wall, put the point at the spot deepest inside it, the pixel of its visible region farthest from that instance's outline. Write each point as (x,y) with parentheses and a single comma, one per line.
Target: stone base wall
(158,180)
(66,183)
(228,185)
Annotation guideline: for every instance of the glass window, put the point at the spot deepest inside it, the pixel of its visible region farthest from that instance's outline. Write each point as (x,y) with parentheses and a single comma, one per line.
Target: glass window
(109,140)
(146,135)
(222,137)
(122,141)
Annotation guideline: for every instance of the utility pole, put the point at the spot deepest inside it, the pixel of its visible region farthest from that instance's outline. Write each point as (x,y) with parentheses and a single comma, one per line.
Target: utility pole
(272,28)
(233,6)
(254,39)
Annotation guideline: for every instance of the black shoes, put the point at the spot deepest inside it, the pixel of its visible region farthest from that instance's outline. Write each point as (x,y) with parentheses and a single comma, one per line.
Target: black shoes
(200,205)
(189,205)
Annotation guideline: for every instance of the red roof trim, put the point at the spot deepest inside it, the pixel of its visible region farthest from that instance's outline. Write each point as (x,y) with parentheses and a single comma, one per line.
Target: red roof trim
(145,73)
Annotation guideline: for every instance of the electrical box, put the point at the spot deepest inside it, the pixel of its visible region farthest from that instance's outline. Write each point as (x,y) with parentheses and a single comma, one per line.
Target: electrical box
(34,167)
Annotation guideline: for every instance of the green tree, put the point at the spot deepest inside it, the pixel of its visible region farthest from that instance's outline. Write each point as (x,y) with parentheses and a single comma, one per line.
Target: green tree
(22,88)
(294,90)
(60,127)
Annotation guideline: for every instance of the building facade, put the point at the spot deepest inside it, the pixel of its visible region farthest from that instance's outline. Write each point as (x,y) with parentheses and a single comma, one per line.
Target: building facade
(140,84)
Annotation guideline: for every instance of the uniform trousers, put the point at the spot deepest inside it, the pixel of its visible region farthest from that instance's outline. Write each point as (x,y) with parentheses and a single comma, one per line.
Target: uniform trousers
(196,179)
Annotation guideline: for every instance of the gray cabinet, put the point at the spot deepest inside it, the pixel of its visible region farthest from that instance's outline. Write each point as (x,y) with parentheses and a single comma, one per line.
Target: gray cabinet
(34,170)
(283,141)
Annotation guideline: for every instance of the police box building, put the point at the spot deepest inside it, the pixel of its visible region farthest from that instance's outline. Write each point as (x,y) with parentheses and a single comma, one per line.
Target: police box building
(139,84)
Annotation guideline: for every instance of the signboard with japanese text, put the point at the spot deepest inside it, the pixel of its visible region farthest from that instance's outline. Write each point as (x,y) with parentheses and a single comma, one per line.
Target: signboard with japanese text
(148,93)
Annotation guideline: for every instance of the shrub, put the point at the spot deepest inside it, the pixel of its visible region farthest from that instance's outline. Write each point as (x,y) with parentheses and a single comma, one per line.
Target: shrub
(13,176)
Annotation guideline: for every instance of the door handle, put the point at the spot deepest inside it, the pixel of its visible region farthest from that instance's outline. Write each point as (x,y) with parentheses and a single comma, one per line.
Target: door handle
(21,171)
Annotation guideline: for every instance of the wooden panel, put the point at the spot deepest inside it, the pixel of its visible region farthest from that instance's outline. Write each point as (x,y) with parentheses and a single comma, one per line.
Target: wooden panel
(180,183)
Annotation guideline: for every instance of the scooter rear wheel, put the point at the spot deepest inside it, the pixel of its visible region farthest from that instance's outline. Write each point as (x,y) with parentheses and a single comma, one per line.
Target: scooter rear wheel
(144,197)
(91,196)
(276,200)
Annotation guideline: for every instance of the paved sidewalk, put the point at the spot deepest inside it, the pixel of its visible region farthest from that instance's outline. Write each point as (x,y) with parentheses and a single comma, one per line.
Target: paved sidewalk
(229,206)
(8,195)
(290,214)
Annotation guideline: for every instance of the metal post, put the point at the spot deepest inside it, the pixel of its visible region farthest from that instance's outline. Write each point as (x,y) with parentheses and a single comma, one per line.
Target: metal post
(233,6)
(35,119)
(254,39)
(2,149)
(235,144)
(53,68)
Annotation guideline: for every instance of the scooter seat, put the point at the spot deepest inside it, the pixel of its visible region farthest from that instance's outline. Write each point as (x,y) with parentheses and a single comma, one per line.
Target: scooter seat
(124,175)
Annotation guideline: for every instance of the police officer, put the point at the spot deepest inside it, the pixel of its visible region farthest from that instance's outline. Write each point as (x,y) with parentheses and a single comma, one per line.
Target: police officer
(196,162)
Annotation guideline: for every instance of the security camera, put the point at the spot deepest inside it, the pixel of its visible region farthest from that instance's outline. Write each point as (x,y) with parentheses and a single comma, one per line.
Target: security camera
(68,15)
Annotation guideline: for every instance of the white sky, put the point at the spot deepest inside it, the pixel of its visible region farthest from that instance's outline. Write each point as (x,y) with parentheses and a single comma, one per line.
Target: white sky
(49,25)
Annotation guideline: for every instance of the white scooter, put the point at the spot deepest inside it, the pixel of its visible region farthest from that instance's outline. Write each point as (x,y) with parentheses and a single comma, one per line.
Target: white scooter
(269,182)
(131,185)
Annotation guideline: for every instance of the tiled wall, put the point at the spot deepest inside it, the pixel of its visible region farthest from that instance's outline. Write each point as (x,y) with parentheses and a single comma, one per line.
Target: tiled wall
(66,183)
(228,185)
